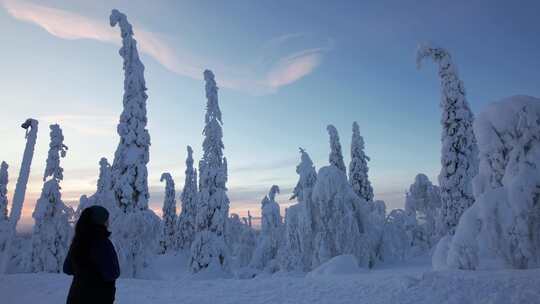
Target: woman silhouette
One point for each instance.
(92, 260)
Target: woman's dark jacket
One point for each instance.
(94, 272)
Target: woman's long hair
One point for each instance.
(89, 227)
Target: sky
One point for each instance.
(286, 69)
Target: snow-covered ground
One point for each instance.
(413, 283)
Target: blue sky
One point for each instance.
(286, 69)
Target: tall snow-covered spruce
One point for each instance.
(168, 232)
(209, 248)
(130, 175)
(358, 167)
(52, 231)
(135, 229)
(336, 155)
(459, 152)
(187, 220)
(31, 127)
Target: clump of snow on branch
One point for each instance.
(189, 197)
(503, 226)
(265, 255)
(168, 232)
(136, 229)
(459, 153)
(52, 231)
(209, 248)
(358, 167)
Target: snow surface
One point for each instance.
(339, 265)
(411, 283)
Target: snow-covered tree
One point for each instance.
(423, 200)
(397, 237)
(104, 195)
(358, 167)
(130, 176)
(3, 193)
(241, 240)
(375, 230)
(264, 257)
(459, 153)
(250, 219)
(291, 253)
(168, 232)
(336, 156)
(188, 216)
(136, 229)
(243, 251)
(271, 217)
(300, 220)
(503, 225)
(4, 220)
(234, 229)
(342, 218)
(52, 231)
(31, 127)
(213, 207)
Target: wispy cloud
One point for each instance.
(84, 124)
(294, 67)
(277, 73)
